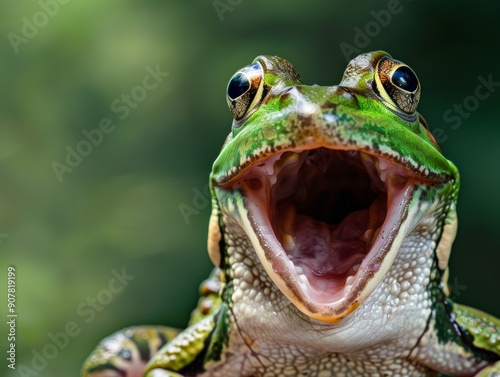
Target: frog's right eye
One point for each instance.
(245, 91)
(397, 85)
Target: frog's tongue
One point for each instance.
(330, 251)
(323, 220)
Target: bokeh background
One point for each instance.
(119, 207)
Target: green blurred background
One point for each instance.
(119, 207)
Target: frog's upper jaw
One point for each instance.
(327, 223)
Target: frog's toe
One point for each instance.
(161, 373)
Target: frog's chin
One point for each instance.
(326, 224)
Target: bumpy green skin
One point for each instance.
(483, 327)
(407, 326)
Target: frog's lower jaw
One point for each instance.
(327, 224)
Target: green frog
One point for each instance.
(333, 216)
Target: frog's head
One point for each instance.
(327, 182)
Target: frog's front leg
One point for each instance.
(460, 341)
(126, 352)
(485, 332)
(193, 349)
(210, 298)
(182, 352)
(490, 371)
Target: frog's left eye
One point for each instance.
(398, 85)
(245, 91)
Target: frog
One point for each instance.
(333, 216)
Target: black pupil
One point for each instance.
(404, 78)
(238, 85)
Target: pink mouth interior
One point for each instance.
(326, 209)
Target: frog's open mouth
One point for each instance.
(323, 221)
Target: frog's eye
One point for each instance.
(125, 354)
(398, 85)
(245, 90)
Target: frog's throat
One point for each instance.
(327, 224)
